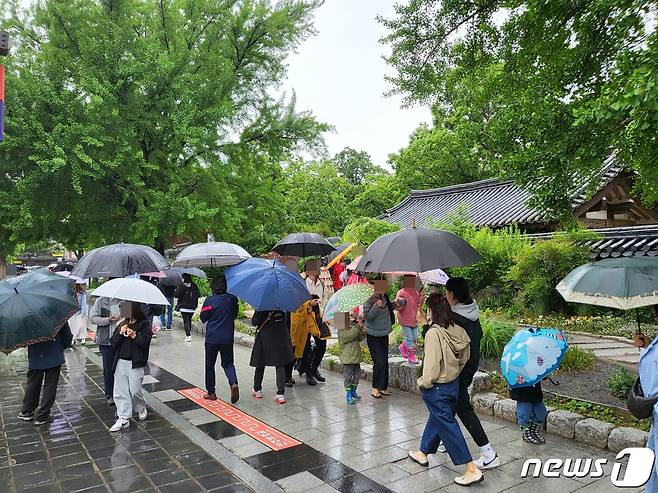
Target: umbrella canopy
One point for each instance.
(434, 276)
(33, 307)
(65, 273)
(211, 254)
(156, 275)
(304, 245)
(131, 289)
(417, 250)
(355, 263)
(340, 253)
(532, 355)
(119, 260)
(624, 283)
(334, 240)
(347, 298)
(193, 271)
(63, 267)
(267, 285)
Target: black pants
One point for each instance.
(280, 379)
(466, 412)
(108, 354)
(187, 322)
(49, 378)
(378, 347)
(313, 355)
(226, 353)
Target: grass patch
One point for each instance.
(596, 411)
(620, 383)
(495, 334)
(578, 359)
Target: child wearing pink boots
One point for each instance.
(409, 300)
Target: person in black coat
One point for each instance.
(272, 347)
(131, 342)
(187, 294)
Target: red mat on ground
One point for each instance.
(256, 429)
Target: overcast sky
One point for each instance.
(339, 75)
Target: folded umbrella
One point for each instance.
(211, 254)
(33, 307)
(131, 289)
(340, 253)
(119, 260)
(304, 245)
(417, 250)
(347, 298)
(532, 355)
(267, 285)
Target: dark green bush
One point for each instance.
(620, 382)
(495, 334)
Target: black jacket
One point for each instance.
(474, 331)
(187, 297)
(272, 346)
(168, 291)
(140, 344)
(532, 394)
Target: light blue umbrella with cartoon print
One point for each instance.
(532, 355)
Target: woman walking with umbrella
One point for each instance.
(187, 294)
(78, 322)
(379, 319)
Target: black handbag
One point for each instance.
(322, 327)
(639, 406)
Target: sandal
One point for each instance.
(376, 394)
(385, 392)
(474, 479)
(412, 456)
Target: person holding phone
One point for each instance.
(131, 341)
(105, 314)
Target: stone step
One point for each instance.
(600, 345)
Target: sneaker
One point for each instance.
(483, 464)
(120, 425)
(235, 393)
(210, 397)
(168, 327)
(143, 414)
(442, 448)
(280, 399)
(110, 401)
(188, 338)
(310, 380)
(257, 394)
(43, 421)
(25, 416)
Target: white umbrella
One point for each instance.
(129, 289)
(211, 254)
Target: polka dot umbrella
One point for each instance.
(347, 298)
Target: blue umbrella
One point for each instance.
(267, 285)
(532, 355)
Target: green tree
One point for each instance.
(542, 91)
(379, 192)
(364, 230)
(355, 166)
(136, 120)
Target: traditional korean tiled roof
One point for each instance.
(491, 202)
(625, 241)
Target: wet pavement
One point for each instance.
(183, 447)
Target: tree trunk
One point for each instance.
(3, 267)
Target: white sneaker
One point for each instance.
(120, 425)
(483, 464)
(188, 338)
(143, 414)
(279, 399)
(257, 394)
(442, 448)
(83, 342)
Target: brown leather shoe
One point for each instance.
(210, 397)
(235, 393)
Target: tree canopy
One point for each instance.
(541, 92)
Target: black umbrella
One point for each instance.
(63, 267)
(417, 250)
(119, 260)
(175, 275)
(304, 245)
(338, 251)
(334, 240)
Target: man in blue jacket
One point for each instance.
(219, 312)
(45, 360)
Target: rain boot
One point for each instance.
(412, 356)
(348, 396)
(403, 349)
(354, 394)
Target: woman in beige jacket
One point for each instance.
(447, 349)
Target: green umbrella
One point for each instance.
(347, 298)
(624, 283)
(33, 307)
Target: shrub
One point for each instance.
(578, 359)
(539, 267)
(495, 334)
(620, 382)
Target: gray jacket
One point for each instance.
(100, 316)
(378, 320)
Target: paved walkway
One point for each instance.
(614, 350)
(182, 447)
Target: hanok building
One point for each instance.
(625, 226)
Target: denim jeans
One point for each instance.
(170, 314)
(226, 353)
(652, 443)
(530, 411)
(410, 335)
(108, 354)
(441, 402)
